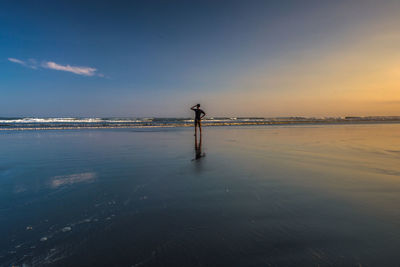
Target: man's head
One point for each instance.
(198, 105)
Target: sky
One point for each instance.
(237, 58)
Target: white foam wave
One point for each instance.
(67, 120)
(70, 120)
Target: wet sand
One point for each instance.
(306, 195)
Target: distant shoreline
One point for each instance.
(39, 126)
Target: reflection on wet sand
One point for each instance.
(197, 148)
(72, 179)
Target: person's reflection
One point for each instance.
(197, 148)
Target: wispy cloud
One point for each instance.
(23, 63)
(79, 70)
(86, 71)
(16, 61)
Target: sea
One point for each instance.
(312, 194)
(29, 123)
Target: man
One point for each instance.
(199, 114)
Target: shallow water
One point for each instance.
(255, 196)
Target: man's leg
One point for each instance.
(199, 126)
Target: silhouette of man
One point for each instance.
(199, 114)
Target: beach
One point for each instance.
(270, 195)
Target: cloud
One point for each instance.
(17, 61)
(86, 71)
(31, 63)
(79, 70)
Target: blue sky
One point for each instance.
(157, 58)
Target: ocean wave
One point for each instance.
(118, 120)
(35, 123)
(65, 120)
